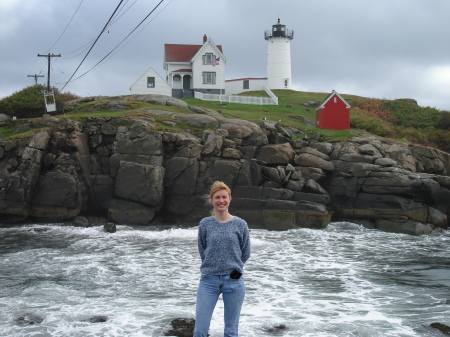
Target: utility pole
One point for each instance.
(49, 56)
(35, 77)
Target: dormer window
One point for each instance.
(208, 57)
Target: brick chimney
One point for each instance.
(205, 38)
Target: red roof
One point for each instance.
(183, 71)
(182, 52)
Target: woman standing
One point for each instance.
(224, 247)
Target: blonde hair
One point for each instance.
(218, 186)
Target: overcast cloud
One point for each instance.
(375, 48)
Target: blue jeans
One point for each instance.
(209, 289)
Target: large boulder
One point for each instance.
(276, 154)
(310, 160)
(181, 175)
(244, 132)
(197, 120)
(131, 213)
(58, 196)
(281, 214)
(140, 183)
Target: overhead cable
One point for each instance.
(66, 27)
(103, 30)
(121, 41)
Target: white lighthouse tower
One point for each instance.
(279, 56)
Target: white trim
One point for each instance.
(202, 48)
(321, 106)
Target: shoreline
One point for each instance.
(95, 221)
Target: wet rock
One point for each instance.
(98, 319)
(110, 227)
(275, 330)
(442, 327)
(29, 319)
(181, 327)
(80, 221)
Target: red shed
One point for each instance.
(333, 113)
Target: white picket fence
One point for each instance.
(272, 100)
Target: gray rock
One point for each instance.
(248, 132)
(313, 173)
(280, 154)
(58, 196)
(370, 150)
(80, 221)
(181, 175)
(387, 162)
(140, 183)
(226, 170)
(130, 213)
(169, 123)
(39, 140)
(295, 185)
(232, 154)
(29, 319)
(213, 144)
(110, 227)
(98, 319)
(309, 160)
(313, 187)
(197, 120)
(103, 189)
(181, 327)
(325, 148)
(314, 152)
(4, 117)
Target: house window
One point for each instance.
(150, 82)
(246, 84)
(208, 57)
(209, 78)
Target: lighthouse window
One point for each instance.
(150, 82)
(208, 57)
(209, 78)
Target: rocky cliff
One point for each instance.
(123, 169)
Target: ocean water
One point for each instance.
(341, 281)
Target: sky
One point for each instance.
(374, 48)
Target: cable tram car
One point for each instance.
(50, 103)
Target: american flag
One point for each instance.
(215, 62)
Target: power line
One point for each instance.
(66, 26)
(115, 20)
(104, 28)
(62, 72)
(86, 46)
(120, 41)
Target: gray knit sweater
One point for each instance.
(223, 246)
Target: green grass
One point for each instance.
(290, 111)
(396, 119)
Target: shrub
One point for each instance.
(408, 114)
(444, 120)
(29, 102)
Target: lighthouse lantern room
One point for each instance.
(279, 56)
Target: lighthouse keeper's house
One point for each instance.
(188, 68)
